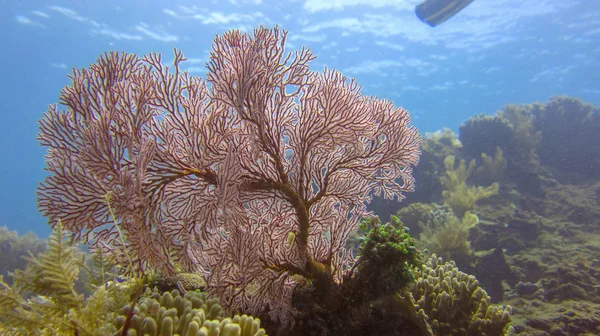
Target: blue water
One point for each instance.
(491, 54)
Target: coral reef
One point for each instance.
(536, 244)
(483, 134)
(525, 137)
(244, 182)
(44, 301)
(242, 177)
(568, 130)
(457, 194)
(364, 303)
(511, 131)
(451, 302)
(13, 248)
(193, 314)
(446, 235)
(535, 247)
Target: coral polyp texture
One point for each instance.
(193, 314)
(254, 175)
(451, 302)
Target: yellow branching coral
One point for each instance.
(457, 194)
(193, 314)
(445, 234)
(450, 302)
(526, 138)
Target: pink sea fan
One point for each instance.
(257, 176)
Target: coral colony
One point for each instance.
(253, 177)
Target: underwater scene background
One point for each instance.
(499, 236)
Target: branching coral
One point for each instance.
(450, 302)
(445, 234)
(387, 256)
(526, 138)
(492, 168)
(193, 314)
(457, 194)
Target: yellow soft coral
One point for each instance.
(457, 194)
(445, 234)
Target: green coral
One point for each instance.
(457, 194)
(445, 234)
(193, 314)
(526, 137)
(434, 148)
(445, 136)
(387, 257)
(447, 301)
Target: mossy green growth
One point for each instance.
(457, 194)
(387, 255)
